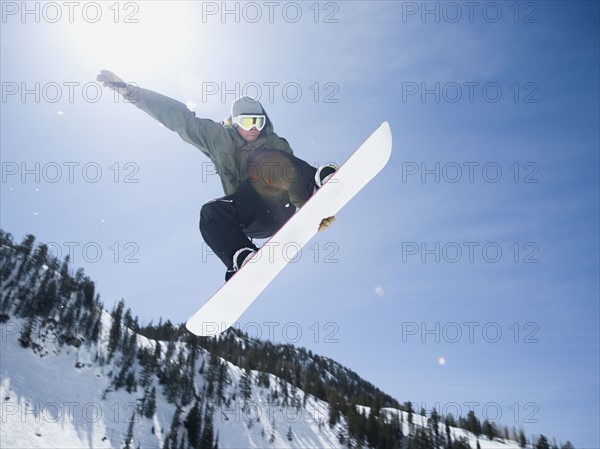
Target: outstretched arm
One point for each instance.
(205, 134)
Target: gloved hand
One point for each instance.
(325, 223)
(112, 81)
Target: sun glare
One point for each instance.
(132, 35)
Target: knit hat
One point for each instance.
(246, 106)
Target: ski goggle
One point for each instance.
(247, 122)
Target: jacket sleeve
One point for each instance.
(205, 134)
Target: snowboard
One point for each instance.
(223, 309)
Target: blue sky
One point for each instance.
(466, 273)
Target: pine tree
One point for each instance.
(119, 380)
(421, 440)
(473, 425)
(461, 443)
(114, 335)
(148, 371)
(212, 375)
(129, 437)
(352, 416)
(171, 441)
(190, 386)
(149, 403)
(130, 382)
(246, 386)
(489, 430)
(171, 377)
(128, 320)
(542, 443)
(66, 284)
(335, 411)
(45, 298)
(25, 337)
(40, 256)
(362, 427)
(157, 353)
(373, 431)
(522, 439)
(88, 289)
(27, 244)
(408, 408)
(207, 437)
(448, 432)
(193, 425)
(263, 379)
(434, 424)
(290, 435)
(25, 248)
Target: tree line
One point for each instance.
(194, 373)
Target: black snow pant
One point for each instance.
(229, 223)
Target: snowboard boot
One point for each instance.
(240, 258)
(324, 173)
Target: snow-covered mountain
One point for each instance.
(76, 376)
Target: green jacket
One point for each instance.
(227, 150)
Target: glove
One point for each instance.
(112, 81)
(325, 223)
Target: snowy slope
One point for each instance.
(75, 376)
(47, 401)
(62, 397)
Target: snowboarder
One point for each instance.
(264, 183)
